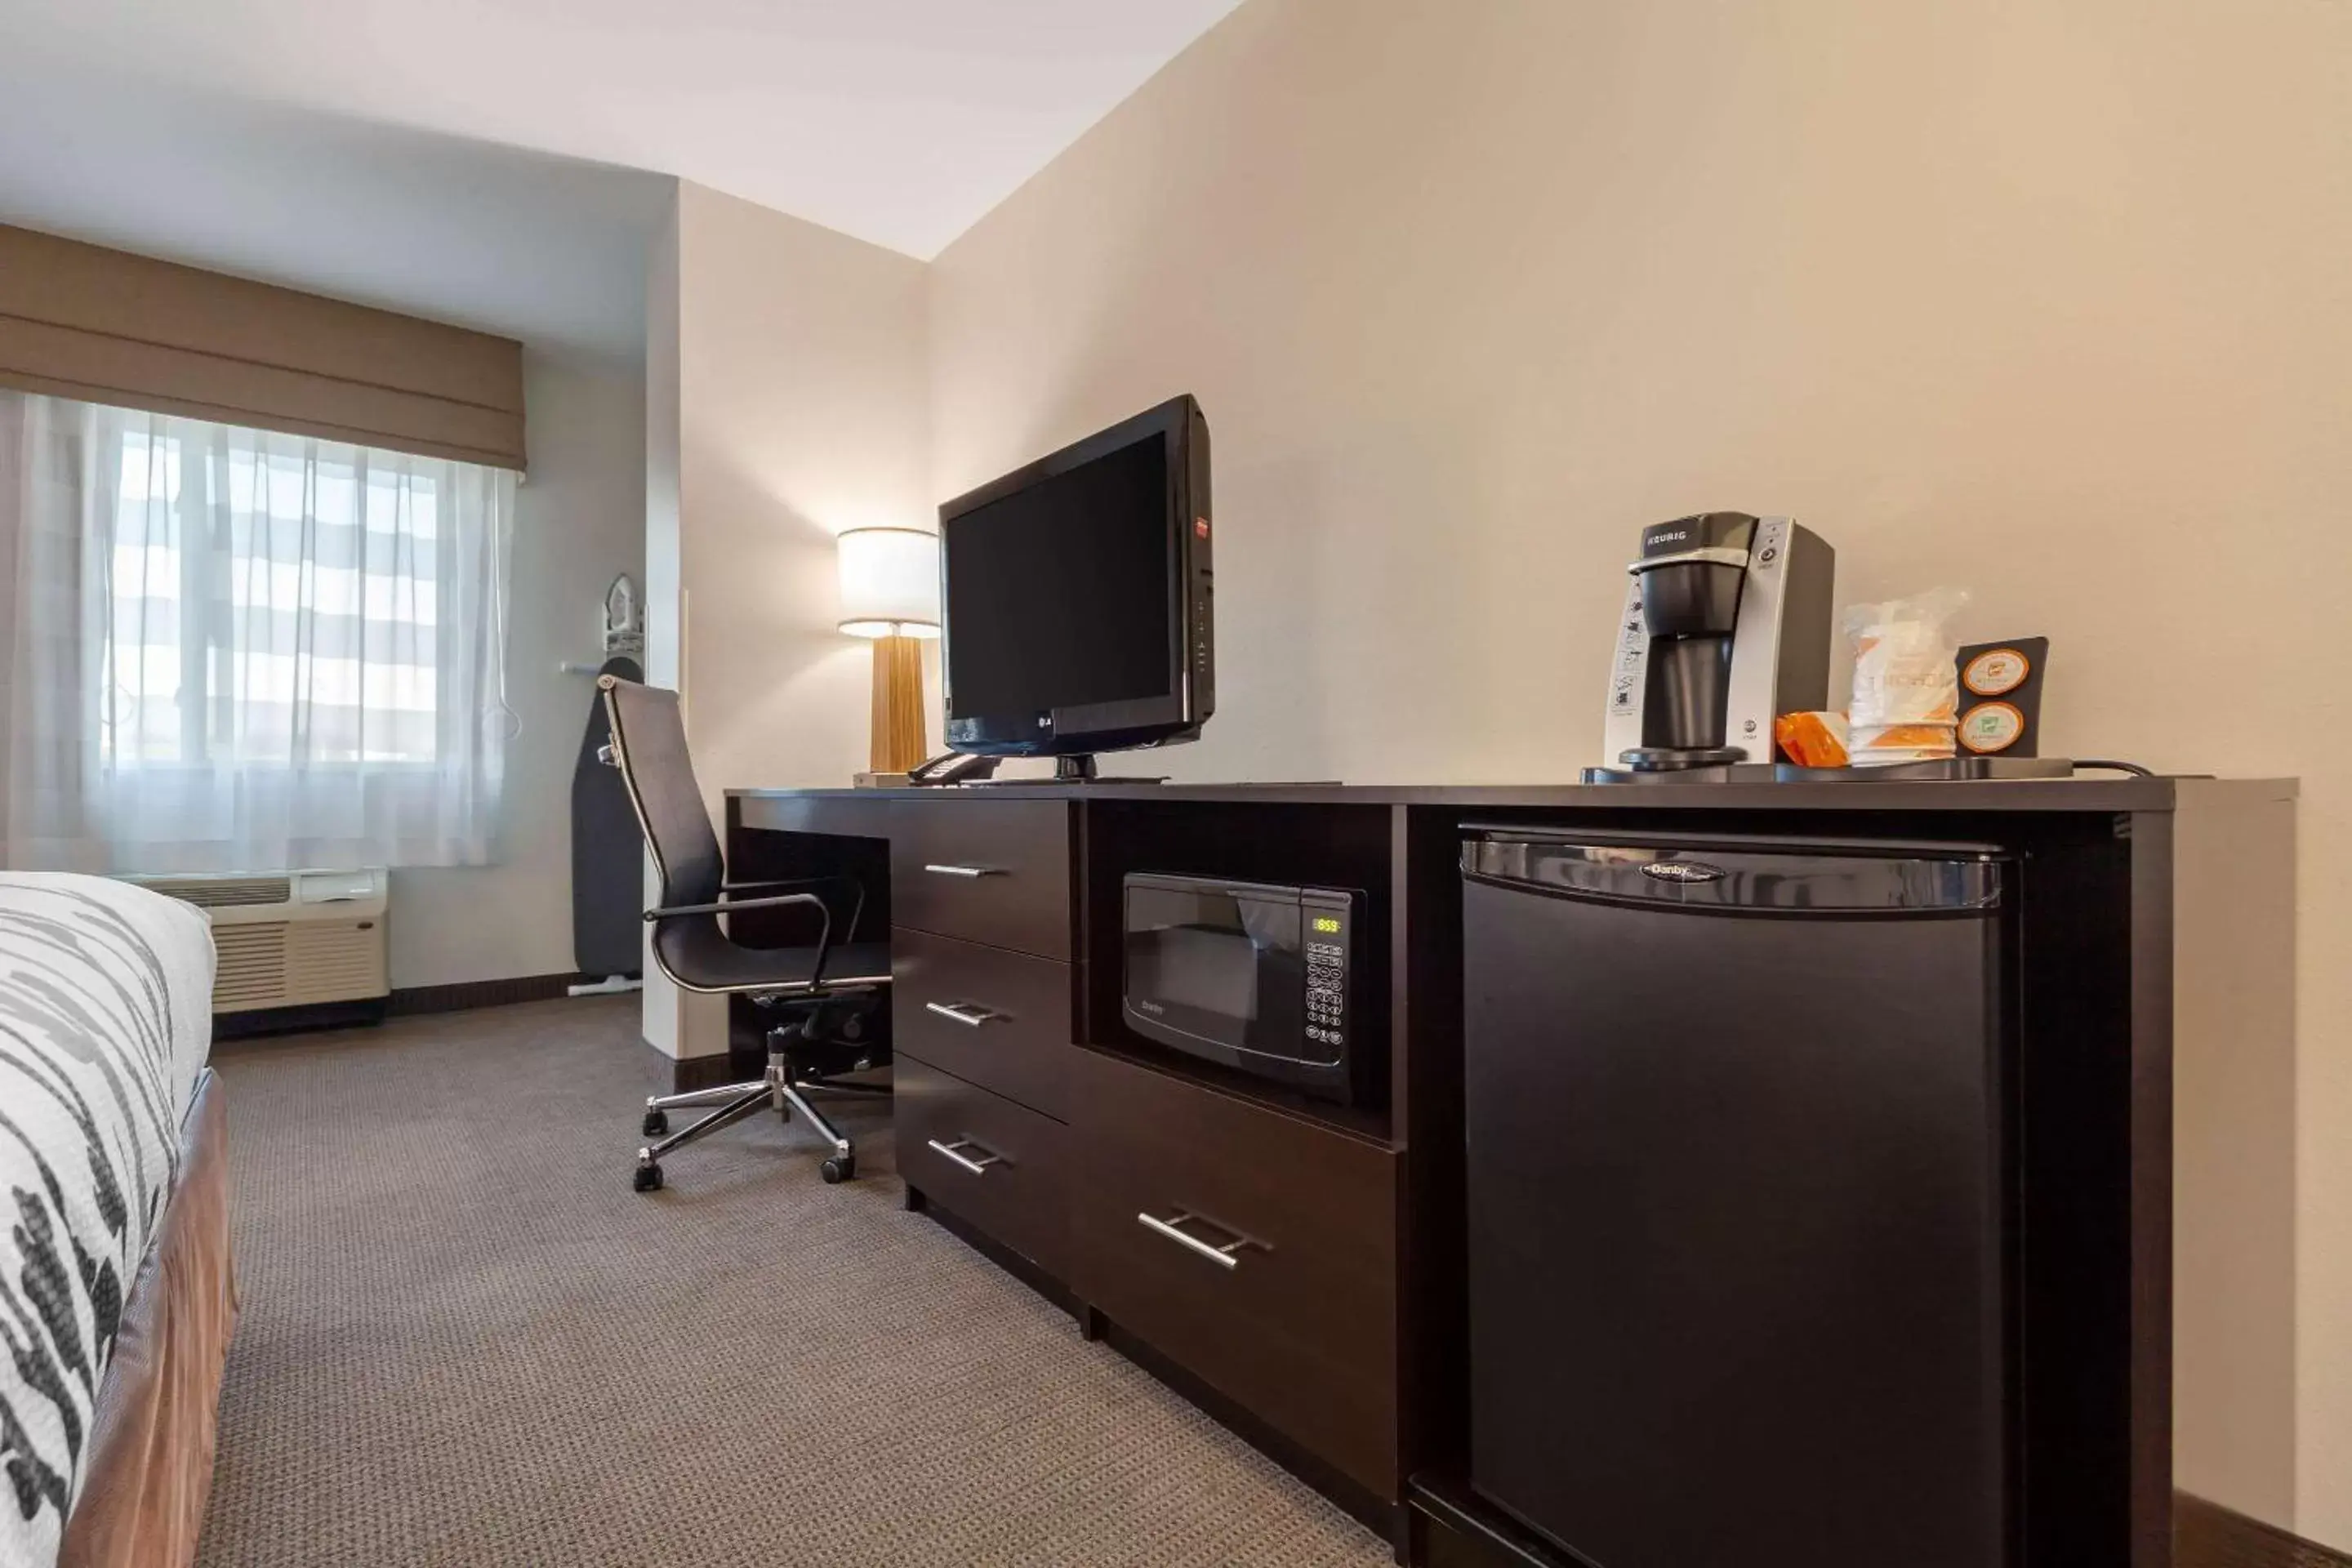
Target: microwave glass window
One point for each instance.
(1200, 968)
(1217, 964)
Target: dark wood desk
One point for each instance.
(1338, 1343)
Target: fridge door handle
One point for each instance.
(1698, 878)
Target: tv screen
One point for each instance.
(1059, 594)
(1076, 594)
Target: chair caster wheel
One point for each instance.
(648, 1178)
(838, 1169)
(655, 1124)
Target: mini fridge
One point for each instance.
(1741, 1197)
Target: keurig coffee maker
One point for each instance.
(1727, 625)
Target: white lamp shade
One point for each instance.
(890, 583)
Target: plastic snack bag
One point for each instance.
(1907, 692)
(1812, 740)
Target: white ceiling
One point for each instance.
(487, 161)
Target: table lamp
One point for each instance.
(890, 594)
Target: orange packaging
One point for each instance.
(1928, 737)
(1812, 740)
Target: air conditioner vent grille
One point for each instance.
(336, 962)
(281, 963)
(226, 892)
(251, 971)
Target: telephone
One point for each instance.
(953, 767)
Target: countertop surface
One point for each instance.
(2088, 791)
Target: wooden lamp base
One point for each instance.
(898, 743)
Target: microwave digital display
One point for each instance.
(1250, 975)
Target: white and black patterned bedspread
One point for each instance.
(105, 1016)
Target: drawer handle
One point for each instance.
(940, 870)
(965, 1012)
(955, 1151)
(1224, 1256)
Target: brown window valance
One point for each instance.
(81, 321)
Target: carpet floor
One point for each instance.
(464, 1341)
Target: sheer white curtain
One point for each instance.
(229, 650)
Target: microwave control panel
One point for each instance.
(1323, 928)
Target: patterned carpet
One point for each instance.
(466, 1341)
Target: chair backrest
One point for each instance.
(649, 744)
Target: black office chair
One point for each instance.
(827, 993)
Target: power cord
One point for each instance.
(2100, 764)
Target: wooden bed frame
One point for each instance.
(151, 1438)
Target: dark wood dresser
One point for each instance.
(1296, 1267)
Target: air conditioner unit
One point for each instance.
(290, 938)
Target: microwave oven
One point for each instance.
(1256, 976)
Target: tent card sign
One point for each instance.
(2001, 697)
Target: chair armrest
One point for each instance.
(774, 900)
(734, 906)
(824, 942)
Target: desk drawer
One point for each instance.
(998, 1019)
(1277, 1285)
(946, 1126)
(996, 871)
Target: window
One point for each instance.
(269, 605)
(256, 650)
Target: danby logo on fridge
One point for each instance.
(1682, 871)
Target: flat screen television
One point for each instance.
(1075, 607)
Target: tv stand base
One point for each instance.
(1080, 769)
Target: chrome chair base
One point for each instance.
(779, 1089)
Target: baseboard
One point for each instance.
(304, 1018)
(409, 999)
(689, 1074)
(2206, 1535)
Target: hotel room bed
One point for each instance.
(117, 1295)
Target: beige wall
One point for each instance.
(2051, 300)
(661, 1007)
(579, 523)
(802, 410)
(2233, 1244)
